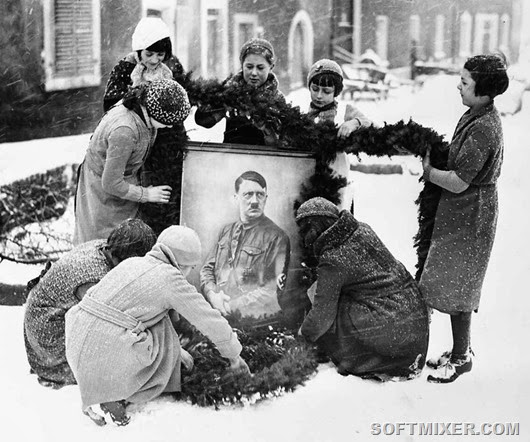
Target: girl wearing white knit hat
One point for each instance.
(151, 59)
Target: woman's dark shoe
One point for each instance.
(50, 384)
(452, 369)
(116, 411)
(435, 363)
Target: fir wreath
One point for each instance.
(278, 360)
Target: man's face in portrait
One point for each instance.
(251, 198)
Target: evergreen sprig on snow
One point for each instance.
(277, 360)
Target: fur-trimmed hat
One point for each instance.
(317, 206)
(258, 46)
(184, 244)
(148, 31)
(167, 102)
(326, 67)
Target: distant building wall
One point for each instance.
(35, 101)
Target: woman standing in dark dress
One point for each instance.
(466, 217)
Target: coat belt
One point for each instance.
(111, 314)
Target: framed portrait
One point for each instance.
(253, 266)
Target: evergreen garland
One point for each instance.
(279, 361)
(164, 166)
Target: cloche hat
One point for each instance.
(183, 242)
(148, 31)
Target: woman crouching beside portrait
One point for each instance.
(368, 314)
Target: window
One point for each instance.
(415, 28)
(504, 44)
(439, 35)
(381, 36)
(72, 44)
(465, 34)
(214, 38)
(486, 33)
(300, 48)
(245, 27)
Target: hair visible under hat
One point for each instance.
(326, 73)
(317, 206)
(167, 102)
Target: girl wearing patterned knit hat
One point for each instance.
(108, 189)
(257, 61)
(466, 217)
(151, 59)
(325, 83)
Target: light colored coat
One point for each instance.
(120, 342)
(108, 190)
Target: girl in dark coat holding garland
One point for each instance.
(466, 217)
(257, 61)
(367, 314)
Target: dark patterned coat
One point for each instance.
(465, 223)
(120, 78)
(368, 313)
(47, 304)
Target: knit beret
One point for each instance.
(183, 242)
(258, 46)
(167, 102)
(148, 31)
(317, 207)
(324, 66)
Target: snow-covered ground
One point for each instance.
(329, 407)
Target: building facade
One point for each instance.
(435, 30)
(57, 54)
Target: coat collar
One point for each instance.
(163, 253)
(270, 85)
(337, 234)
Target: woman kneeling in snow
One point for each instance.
(368, 314)
(120, 341)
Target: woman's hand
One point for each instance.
(238, 366)
(219, 301)
(186, 360)
(158, 194)
(348, 127)
(426, 163)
